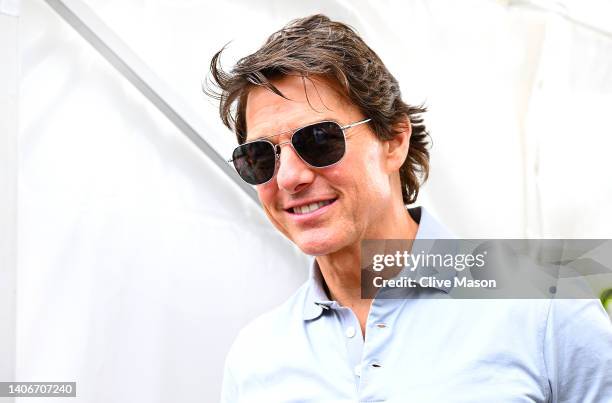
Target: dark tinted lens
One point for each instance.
(255, 162)
(321, 144)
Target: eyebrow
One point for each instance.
(325, 119)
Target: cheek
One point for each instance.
(372, 175)
(267, 196)
(373, 159)
(367, 165)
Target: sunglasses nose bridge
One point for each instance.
(277, 148)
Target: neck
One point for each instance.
(341, 270)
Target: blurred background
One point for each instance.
(130, 258)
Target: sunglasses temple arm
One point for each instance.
(355, 124)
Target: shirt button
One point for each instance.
(358, 370)
(381, 325)
(350, 332)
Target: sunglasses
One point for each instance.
(319, 145)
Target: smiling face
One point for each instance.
(322, 210)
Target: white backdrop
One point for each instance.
(138, 260)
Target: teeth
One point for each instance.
(308, 208)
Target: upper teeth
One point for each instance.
(307, 208)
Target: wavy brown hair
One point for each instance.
(316, 45)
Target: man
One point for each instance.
(336, 156)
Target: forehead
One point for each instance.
(309, 100)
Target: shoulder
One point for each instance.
(582, 323)
(557, 320)
(254, 352)
(268, 332)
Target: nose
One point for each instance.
(293, 174)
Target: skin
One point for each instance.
(365, 183)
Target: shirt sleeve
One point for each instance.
(578, 351)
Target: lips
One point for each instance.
(309, 207)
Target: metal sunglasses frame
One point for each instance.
(276, 147)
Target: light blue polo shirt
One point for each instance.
(310, 349)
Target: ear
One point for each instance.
(397, 148)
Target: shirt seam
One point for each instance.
(548, 388)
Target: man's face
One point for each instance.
(358, 187)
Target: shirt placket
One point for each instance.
(372, 366)
(353, 338)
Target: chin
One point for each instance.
(318, 245)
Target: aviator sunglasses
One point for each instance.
(319, 145)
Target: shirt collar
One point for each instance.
(316, 297)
